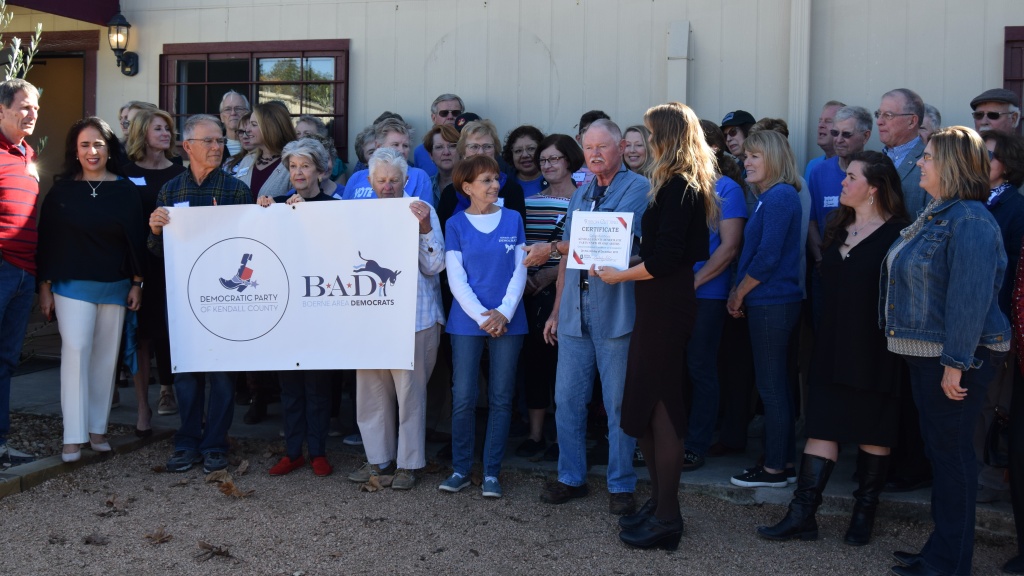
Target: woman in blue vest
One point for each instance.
(484, 256)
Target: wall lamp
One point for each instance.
(117, 34)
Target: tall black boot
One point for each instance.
(799, 521)
(873, 470)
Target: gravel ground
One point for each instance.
(43, 436)
(96, 519)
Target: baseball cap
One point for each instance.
(463, 119)
(738, 118)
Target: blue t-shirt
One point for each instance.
(825, 184)
(421, 158)
(531, 187)
(418, 186)
(812, 165)
(733, 206)
(772, 247)
(489, 261)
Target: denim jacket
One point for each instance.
(945, 284)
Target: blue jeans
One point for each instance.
(191, 401)
(306, 408)
(574, 386)
(702, 361)
(17, 290)
(466, 352)
(770, 330)
(947, 427)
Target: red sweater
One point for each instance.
(19, 190)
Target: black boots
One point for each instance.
(799, 521)
(872, 480)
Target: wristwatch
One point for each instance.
(555, 254)
(137, 283)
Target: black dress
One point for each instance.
(675, 237)
(153, 312)
(855, 380)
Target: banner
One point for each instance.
(315, 285)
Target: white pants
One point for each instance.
(376, 394)
(90, 338)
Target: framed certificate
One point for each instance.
(600, 238)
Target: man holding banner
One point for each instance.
(203, 184)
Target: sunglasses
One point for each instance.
(989, 115)
(837, 133)
(447, 113)
(731, 132)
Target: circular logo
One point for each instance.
(238, 289)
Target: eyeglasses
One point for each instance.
(990, 115)
(732, 132)
(889, 115)
(529, 150)
(844, 134)
(480, 148)
(208, 142)
(447, 113)
(235, 109)
(125, 123)
(551, 160)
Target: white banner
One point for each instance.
(316, 285)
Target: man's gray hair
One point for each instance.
(307, 148)
(1013, 109)
(384, 127)
(860, 114)
(608, 125)
(10, 88)
(933, 114)
(912, 102)
(446, 98)
(193, 121)
(233, 93)
(388, 157)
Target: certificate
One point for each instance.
(600, 238)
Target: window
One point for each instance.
(310, 77)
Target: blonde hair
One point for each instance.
(779, 164)
(645, 135)
(485, 127)
(136, 145)
(961, 160)
(679, 149)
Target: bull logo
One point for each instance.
(384, 275)
(242, 279)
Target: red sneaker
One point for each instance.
(321, 467)
(286, 465)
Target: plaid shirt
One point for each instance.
(218, 189)
(428, 288)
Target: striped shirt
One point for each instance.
(19, 191)
(543, 214)
(898, 153)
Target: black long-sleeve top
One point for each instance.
(101, 238)
(675, 230)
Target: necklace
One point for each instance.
(94, 188)
(267, 159)
(857, 231)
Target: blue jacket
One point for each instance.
(914, 197)
(945, 283)
(772, 245)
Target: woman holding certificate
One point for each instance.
(682, 207)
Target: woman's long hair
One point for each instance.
(72, 167)
(726, 163)
(880, 173)
(679, 149)
(960, 159)
(274, 124)
(136, 145)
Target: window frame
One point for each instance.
(254, 51)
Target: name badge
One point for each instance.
(140, 181)
(183, 204)
(241, 172)
(831, 202)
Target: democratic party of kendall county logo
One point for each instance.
(238, 289)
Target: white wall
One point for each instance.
(546, 61)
